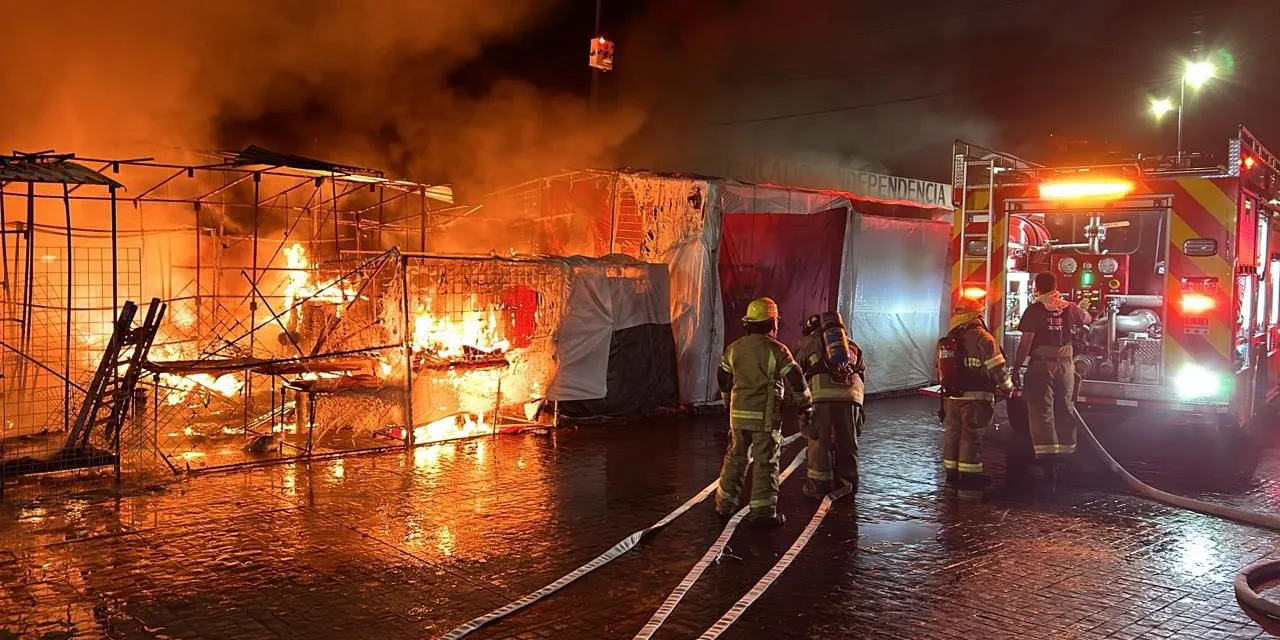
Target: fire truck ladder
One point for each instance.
(109, 395)
(976, 168)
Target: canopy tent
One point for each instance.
(886, 275)
(614, 344)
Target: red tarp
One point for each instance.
(792, 258)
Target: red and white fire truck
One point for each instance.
(1179, 266)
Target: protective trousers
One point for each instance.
(833, 434)
(966, 423)
(764, 447)
(1050, 407)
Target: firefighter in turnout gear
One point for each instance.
(837, 401)
(1047, 328)
(755, 375)
(973, 373)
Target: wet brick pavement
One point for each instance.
(407, 545)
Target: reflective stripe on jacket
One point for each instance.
(758, 365)
(985, 368)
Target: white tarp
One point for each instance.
(604, 297)
(681, 221)
(895, 270)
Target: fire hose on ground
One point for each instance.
(1249, 577)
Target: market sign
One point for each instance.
(819, 172)
(895, 190)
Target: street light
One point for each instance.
(1160, 107)
(1198, 73)
(1195, 74)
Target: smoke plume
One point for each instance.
(355, 81)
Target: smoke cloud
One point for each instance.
(355, 81)
(837, 86)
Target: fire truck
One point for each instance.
(1178, 265)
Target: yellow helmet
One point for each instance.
(761, 309)
(966, 310)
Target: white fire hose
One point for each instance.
(1248, 577)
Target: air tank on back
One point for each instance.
(836, 341)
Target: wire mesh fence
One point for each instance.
(483, 336)
(58, 319)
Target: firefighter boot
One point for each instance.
(816, 489)
(766, 521)
(973, 480)
(851, 476)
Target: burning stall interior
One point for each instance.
(295, 313)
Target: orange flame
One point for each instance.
(448, 338)
(297, 284)
(463, 425)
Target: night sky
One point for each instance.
(891, 83)
(485, 94)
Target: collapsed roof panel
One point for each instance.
(255, 158)
(50, 169)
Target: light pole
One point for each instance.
(595, 73)
(1195, 74)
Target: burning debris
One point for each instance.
(291, 339)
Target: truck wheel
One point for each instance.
(1235, 448)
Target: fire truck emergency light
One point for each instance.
(1197, 303)
(1093, 190)
(973, 293)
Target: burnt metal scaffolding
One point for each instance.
(236, 244)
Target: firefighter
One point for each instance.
(837, 417)
(1047, 327)
(973, 371)
(752, 375)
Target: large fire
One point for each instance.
(178, 389)
(465, 366)
(465, 335)
(297, 285)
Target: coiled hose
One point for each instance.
(1248, 577)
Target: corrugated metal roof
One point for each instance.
(51, 170)
(254, 155)
(256, 158)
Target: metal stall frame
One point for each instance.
(172, 184)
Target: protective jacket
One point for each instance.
(755, 373)
(984, 371)
(821, 385)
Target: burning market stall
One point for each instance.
(233, 247)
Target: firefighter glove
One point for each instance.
(806, 417)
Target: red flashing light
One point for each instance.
(1197, 303)
(601, 40)
(973, 293)
(1248, 162)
